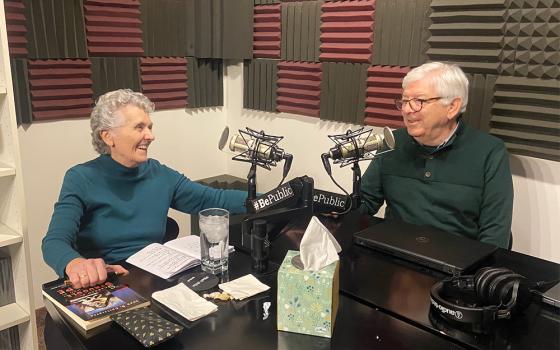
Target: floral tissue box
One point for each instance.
(307, 300)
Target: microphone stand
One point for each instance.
(251, 187)
(356, 184)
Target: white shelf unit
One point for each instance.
(13, 228)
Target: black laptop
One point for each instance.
(425, 245)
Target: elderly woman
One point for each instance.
(112, 206)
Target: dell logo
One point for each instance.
(422, 239)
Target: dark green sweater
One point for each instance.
(464, 187)
(109, 211)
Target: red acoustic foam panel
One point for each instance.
(347, 31)
(299, 88)
(15, 26)
(60, 88)
(384, 84)
(266, 31)
(164, 81)
(113, 27)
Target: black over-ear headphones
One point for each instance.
(488, 295)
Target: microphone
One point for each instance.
(356, 148)
(260, 149)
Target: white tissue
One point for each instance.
(185, 302)
(244, 287)
(318, 247)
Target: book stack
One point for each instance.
(89, 308)
(9, 338)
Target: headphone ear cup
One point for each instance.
(484, 281)
(500, 289)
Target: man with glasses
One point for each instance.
(443, 172)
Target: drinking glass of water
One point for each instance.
(214, 239)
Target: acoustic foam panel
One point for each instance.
(16, 27)
(164, 81)
(60, 88)
(55, 29)
(20, 84)
(205, 80)
(224, 28)
(113, 27)
(525, 115)
(301, 22)
(167, 28)
(384, 84)
(347, 31)
(401, 32)
(112, 73)
(342, 91)
(259, 84)
(299, 88)
(479, 106)
(468, 33)
(266, 31)
(531, 45)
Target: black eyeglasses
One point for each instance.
(415, 104)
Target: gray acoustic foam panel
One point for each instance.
(525, 114)
(223, 28)
(401, 32)
(205, 81)
(532, 39)
(55, 29)
(301, 22)
(112, 73)
(347, 31)
(259, 84)
(479, 106)
(467, 32)
(167, 28)
(343, 90)
(20, 83)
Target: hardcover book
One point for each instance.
(91, 307)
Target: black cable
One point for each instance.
(348, 197)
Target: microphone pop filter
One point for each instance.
(223, 139)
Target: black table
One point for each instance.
(402, 289)
(384, 303)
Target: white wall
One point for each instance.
(187, 141)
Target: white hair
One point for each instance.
(448, 80)
(103, 115)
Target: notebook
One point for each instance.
(425, 245)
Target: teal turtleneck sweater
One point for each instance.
(109, 211)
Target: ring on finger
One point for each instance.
(83, 275)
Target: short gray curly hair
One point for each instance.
(103, 115)
(448, 80)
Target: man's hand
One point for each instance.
(89, 272)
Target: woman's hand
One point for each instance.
(89, 272)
